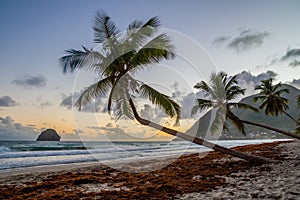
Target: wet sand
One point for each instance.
(211, 176)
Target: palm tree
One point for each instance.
(272, 101)
(121, 56)
(221, 92)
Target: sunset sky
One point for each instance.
(256, 39)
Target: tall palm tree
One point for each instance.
(221, 92)
(272, 101)
(121, 56)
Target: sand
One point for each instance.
(280, 181)
(214, 176)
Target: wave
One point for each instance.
(99, 150)
(4, 149)
(46, 148)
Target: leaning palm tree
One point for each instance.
(222, 91)
(272, 101)
(121, 56)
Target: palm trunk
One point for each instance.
(292, 118)
(199, 141)
(273, 129)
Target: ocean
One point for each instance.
(21, 154)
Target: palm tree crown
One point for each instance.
(220, 93)
(120, 57)
(271, 97)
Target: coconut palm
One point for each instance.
(221, 92)
(272, 101)
(120, 57)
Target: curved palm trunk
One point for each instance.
(196, 140)
(292, 118)
(271, 128)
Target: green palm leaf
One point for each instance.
(201, 105)
(100, 88)
(154, 51)
(270, 97)
(77, 59)
(170, 107)
(242, 106)
(104, 28)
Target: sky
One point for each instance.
(256, 39)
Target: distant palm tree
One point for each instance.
(272, 101)
(221, 92)
(117, 62)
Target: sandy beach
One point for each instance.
(213, 176)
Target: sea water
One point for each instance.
(20, 154)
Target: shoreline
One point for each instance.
(61, 167)
(189, 175)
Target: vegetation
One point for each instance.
(117, 62)
(271, 97)
(221, 92)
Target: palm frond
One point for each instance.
(233, 92)
(244, 106)
(169, 106)
(235, 120)
(259, 97)
(217, 124)
(201, 105)
(203, 86)
(104, 28)
(122, 107)
(154, 51)
(77, 59)
(232, 81)
(281, 91)
(100, 88)
(138, 32)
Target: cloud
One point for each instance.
(7, 101)
(294, 63)
(219, 41)
(42, 103)
(290, 54)
(249, 81)
(247, 39)
(99, 105)
(295, 82)
(11, 130)
(29, 81)
(45, 104)
(147, 112)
